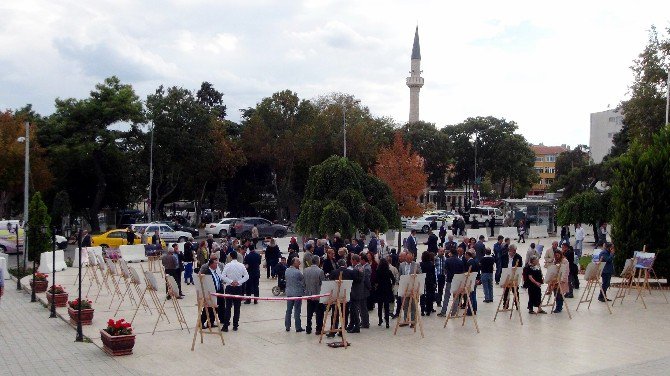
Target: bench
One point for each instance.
(133, 253)
(46, 260)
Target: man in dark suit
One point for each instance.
(253, 263)
(431, 242)
(472, 265)
(213, 270)
(411, 242)
(480, 248)
(510, 259)
(452, 266)
(347, 274)
(86, 240)
(357, 296)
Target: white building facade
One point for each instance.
(604, 125)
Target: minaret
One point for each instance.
(415, 81)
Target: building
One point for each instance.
(545, 166)
(604, 125)
(415, 81)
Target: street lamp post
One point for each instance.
(26, 176)
(53, 277)
(151, 168)
(80, 334)
(18, 260)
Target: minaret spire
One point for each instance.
(415, 81)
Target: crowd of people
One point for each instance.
(374, 269)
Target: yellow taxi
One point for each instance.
(115, 238)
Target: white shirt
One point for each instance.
(234, 272)
(579, 234)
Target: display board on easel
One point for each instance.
(644, 264)
(627, 281)
(593, 285)
(461, 287)
(509, 280)
(554, 288)
(410, 287)
(336, 306)
(207, 303)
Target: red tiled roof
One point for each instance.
(544, 150)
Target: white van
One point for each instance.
(8, 236)
(483, 214)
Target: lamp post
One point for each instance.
(26, 175)
(53, 277)
(80, 334)
(18, 260)
(151, 168)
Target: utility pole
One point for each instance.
(151, 169)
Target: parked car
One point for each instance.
(423, 223)
(115, 238)
(61, 242)
(243, 228)
(8, 236)
(220, 228)
(483, 214)
(179, 227)
(166, 232)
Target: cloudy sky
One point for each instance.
(544, 65)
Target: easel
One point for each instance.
(205, 302)
(152, 288)
(593, 284)
(173, 293)
(643, 278)
(510, 285)
(627, 280)
(113, 273)
(91, 272)
(553, 283)
(337, 302)
(129, 281)
(462, 292)
(100, 262)
(411, 293)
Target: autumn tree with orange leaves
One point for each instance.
(402, 169)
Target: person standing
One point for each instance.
(398, 298)
(212, 269)
(180, 266)
(606, 256)
(357, 296)
(130, 235)
(385, 283)
(188, 261)
(486, 264)
(428, 297)
(252, 261)
(407, 268)
(272, 255)
(431, 242)
(497, 255)
(533, 284)
(573, 280)
(453, 266)
(156, 240)
(480, 248)
(549, 254)
(367, 289)
(86, 240)
(171, 266)
(2, 283)
(522, 231)
(442, 233)
(510, 259)
(411, 242)
(347, 274)
(531, 252)
(314, 277)
(562, 286)
(254, 236)
(472, 264)
(579, 240)
(234, 276)
(492, 224)
(440, 275)
(295, 287)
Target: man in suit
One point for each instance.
(411, 242)
(86, 240)
(212, 268)
(497, 255)
(431, 242)
(472, 265)
(314, 276)
(440, 260)
(234, 276)
(606, 256)
(171, 265)
(365, 309)
(252, 261)
(407, 268)
(295, 287)
(357, 296)
(347, 274)
(480, 248)
(450, 245)
(510, 260)
(452, 266)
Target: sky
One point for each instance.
(544, 65)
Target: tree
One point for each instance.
(586, 207)
(402, 170)
(12, 154)
(61, 208)
(38, 219)
(340, 196)
(644, 111)
(87, 152)
(640, 199)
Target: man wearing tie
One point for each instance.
(234, 275)
(253, 263)
(411, 242)
(213, 271)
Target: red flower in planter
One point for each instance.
(119, 327)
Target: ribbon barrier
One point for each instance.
(271, 299)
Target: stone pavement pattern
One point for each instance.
(31, 343)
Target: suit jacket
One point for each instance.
(295, 282)
(253, 260)
(480, 250)
(504, 260)
(352, 275)
(313, 278)
(453, 265)
(208, 271)
(367, 280)
(411, 244)
(606, 257)
(432, 243)
(205, 268)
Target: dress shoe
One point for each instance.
(330, 335)
(288, 329)
(432, 310)
(365, 326)
(355, 330)
(411, 326)
(557, 311)
(234, 328)
(248, 302)
(255, 301)
(299, 330)
(180, 297)
(387, 325)
(439, 304)
(569, 296)
(441, 314)
(224, 329)
(601, 299)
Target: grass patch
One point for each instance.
(20, 272)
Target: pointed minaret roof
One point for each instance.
(416, 49)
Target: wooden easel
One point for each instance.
(552, 285)
(338, 304)
(152, 289)
(511, 285)
(129, 282)
(112, 271)
(627, 280)
(462, 293)
(593, 285)
(91, 272)
(102, 267)
(204, 303)
(173, 293)
(643, 278)
(413, 296)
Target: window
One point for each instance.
(539, 159)
(549, 170)
(117, 234)
(550, 181)
(165, 229)
(550, 158)
(539, 170)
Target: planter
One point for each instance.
(86, 315)
(117, 345)
(39, 286)
(59, 299)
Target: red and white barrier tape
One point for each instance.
(272, 299)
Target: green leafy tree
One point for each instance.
(61, 208)
(640, 199)
(38, 219)
(341, 196)
(586, 207)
